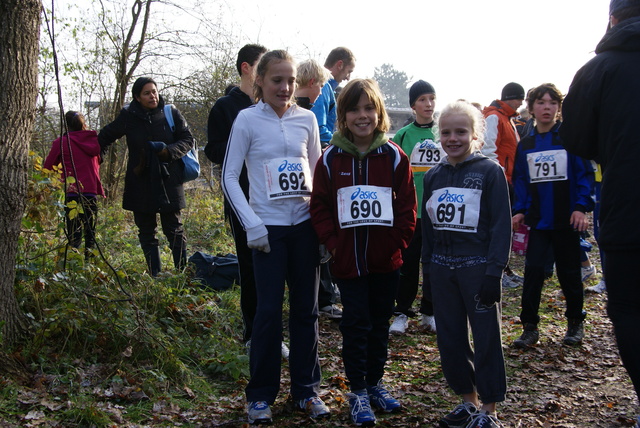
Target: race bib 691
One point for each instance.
(454, 208)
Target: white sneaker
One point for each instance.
(428, 322)
(599, 288)
(399, 325)
(284, 349)
(587, 272)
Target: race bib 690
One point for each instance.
(287, 178)
(365, 206)
(454, 208)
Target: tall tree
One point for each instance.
(393, 84)
(19, 33)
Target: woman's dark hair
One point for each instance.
(75, 121)
(139, 84)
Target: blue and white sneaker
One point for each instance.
(484, 420)
(315, 408)
(259, 413)
(381, 399)
(361, 413)
(459, 417)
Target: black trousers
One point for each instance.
(410, 277)
(566, 248)
(623, 307)
(83, 221)
(367, 308)
(171, 227)
(248, 294)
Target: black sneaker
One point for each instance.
(460, 416)
(575, 332)
(528, 338)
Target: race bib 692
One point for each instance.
(287, 178)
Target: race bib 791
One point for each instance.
(550, 165)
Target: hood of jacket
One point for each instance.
(86, 141)
(499, 107)
(623, 37)
(473, 157)
(342, 142)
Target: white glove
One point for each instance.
(260, 244)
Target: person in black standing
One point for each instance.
(155, 171)
(221, 118)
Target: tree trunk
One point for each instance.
(19, 34)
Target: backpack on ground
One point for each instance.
(215, 272)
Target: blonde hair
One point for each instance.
(263, 67)
(349, 98)
(478, 125)
(311, 69)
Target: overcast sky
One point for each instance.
(466, 48)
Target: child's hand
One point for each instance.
(579, 221)
(516, 221)
(490, 291)
(260, 244)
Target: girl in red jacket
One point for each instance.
(363, 208)
(79, 152)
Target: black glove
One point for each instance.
(426, 283)
(491, 290)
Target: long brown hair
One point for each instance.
(263, 67)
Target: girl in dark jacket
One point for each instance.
(153, 182)
(363, 208)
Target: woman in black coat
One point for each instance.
(153, 182)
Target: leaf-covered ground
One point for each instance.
(550, 385)
(114, 382)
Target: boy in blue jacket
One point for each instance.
(552, 195)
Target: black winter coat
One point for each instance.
(600, 114)
(149, 190)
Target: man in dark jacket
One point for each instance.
(600, 115)
(221, 119)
